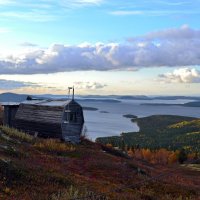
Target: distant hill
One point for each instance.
(98, 100)
(136, 97)
(6, 97)
(177, 97)
(142, 97)
(161, 131)
(192, 104)
(12, 97)
(189, 104)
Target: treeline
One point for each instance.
(160, 156)
(161, 131)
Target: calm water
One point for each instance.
(113, 123)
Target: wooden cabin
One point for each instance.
(9, 112)
(47, 118)
(1, 114)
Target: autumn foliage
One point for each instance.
(160, 156)
(160, 131)
(39, 169)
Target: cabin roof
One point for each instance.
(10, 104)
(46, 102)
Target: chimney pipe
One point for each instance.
(73, 93)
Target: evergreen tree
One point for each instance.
(123, 145)
(182, 157)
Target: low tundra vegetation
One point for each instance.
(48, 169)
(53, 145)
(16, 134)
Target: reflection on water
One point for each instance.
(100, 124)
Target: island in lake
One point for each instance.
(130, 116)
(90, 108)
(102, 111)
(189, 104)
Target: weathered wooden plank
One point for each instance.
(44, 129)
(49, 121)
(36, 115)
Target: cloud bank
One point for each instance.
(79, 3)
(172, 48)
(182, 33)
(11, 85)
(152, 13)
(42, 10)
(89, 85)
(182, 75)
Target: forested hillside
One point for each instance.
(161, 131)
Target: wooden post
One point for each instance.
(73, 93)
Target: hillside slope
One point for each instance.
(161, 131)
(39, 169)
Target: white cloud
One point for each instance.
(41, 10)
(153, 12)
(28, 44)
(184, 32)
(4, 30)
(127, 12)
(48, 4)
(33, 15)
(172, 48)
(81, 2)
(181, 75)
(89, 85)
(121, 8)
(11, 85)
(170, 3)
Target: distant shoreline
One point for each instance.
(90, 108)
(130, 116)
(189, 104)
(5, 97)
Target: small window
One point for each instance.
(71, 117)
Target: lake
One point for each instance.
(113, 123)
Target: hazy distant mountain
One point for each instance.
(7, 97)
(99, 100)
(177, 97)
(137, 97)
(192, 104)
(12, 97)
(189, 104)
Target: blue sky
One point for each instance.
(100, 46)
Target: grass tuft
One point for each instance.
(54, 146)
(17, 134)
(74, 193)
